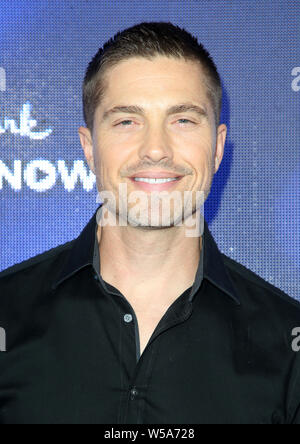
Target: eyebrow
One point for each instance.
(175, 109)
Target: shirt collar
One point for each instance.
(85, 252)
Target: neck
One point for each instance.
(144, 261)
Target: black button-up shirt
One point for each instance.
(221, 354)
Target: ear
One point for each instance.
(87, 146)
(220, 144)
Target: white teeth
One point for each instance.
(144, 179)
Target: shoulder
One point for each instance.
(34, 263)
(23, 282)
(257, 294)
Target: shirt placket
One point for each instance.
(138, 388)
(135, 370)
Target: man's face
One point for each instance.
(185, 143)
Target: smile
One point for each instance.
(154, 180)
(155, 184)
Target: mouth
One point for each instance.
(155, 183)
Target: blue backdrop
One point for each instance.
(47, 193)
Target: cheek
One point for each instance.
(108, 163)
(199, 152)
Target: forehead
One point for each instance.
(160, 74)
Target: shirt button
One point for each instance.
(133, 393)
(128, 318)
(96, 277)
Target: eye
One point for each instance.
(186, 120)
(123, 123)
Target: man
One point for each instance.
(137, 322)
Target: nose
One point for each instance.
(155, 145)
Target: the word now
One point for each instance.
(43, 175)
(26, 125)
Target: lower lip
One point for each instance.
(145, 186)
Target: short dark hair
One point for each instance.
(148, 40)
